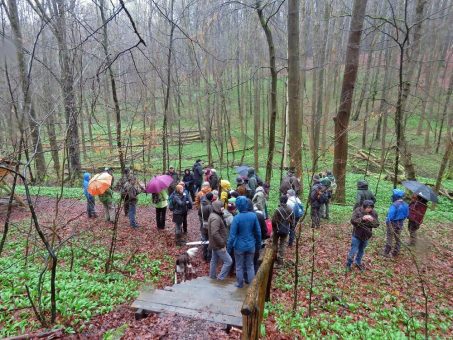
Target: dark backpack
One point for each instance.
(284, 227)
(171, 202)
(155, 198)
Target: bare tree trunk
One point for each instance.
(385, 85)
(28, 109)
(256, 123)
(445, 159)
(445, 110)
(273, 93)
(347, 91)
(294, 114)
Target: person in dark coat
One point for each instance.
(189, 182)
(218, 237)
(172, 173)
(282, 222)
(318, 196)
(417, 210)
(91, 203)
(132, 189)
(214, 180)
(204, 211)
(179, 213)
(363, 194)
(120, 186)
(197, 170)
(397, 213)
(290, 182)
(241, 186)
(363, 220)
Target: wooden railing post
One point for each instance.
(257, 294)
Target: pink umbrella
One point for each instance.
(158, 183)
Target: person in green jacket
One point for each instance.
(107, 201)
(160, 202)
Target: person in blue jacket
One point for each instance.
(90, 198)
(397, 213)
(245, 236)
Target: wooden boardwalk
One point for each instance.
(201, 298)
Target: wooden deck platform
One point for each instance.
(201, 298)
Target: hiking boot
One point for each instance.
(360, 267)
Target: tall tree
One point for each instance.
(28, 109)
(294, 119)
(347, 91)
(273, 91)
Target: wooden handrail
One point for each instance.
(257, 294)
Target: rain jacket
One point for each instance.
(290, 182)
(225, 186)
(107, 196)
(245, 232)
(363, 229)
(203, 191)
(214, 180)
(217, 229)
(259, 200)
(197, 173)
(399, 210)
(86, 180)
(363, 194)
(163, 199)
(417, 210)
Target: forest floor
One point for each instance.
(385, 300)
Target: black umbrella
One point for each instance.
(421, 190)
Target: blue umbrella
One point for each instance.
(421, 190)
(242, 170)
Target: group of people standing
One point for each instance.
(236, 221)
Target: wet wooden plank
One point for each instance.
(232, 320)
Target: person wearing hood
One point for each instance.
(259, 200)
(197, 170)
(214, 179)
(363, 194)
(218, 236)
(204, 212)
(397, 213)
(254, 180)
(318, 197)
(282, 223)
(91, 203)
(245, 235)
(189, 183)
(295, 204)
(205, 188)
(225, 187)
(363, 220)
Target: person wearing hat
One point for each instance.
(363, 193)
(205, 188)
(417, 210)
(363, 220)
(282, 223)
(241, 186)
(290, 182)
(397, 213)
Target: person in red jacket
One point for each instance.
(417, 210)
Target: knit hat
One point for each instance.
(397, 194)
(231, 207)
(239, 180)
(283, 199)
(368, 203)
(205, 184)
(291, 193)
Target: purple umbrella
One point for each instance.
(158, 183)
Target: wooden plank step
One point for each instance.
(200, 301)
(229, 291)
(232, 320)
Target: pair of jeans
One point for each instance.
(357, 250)
(324, 210)
(393, 233)
(244, 263)
(223, 255)
(132, 209)
(90, 207)
(160, 217)
(126, 207)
